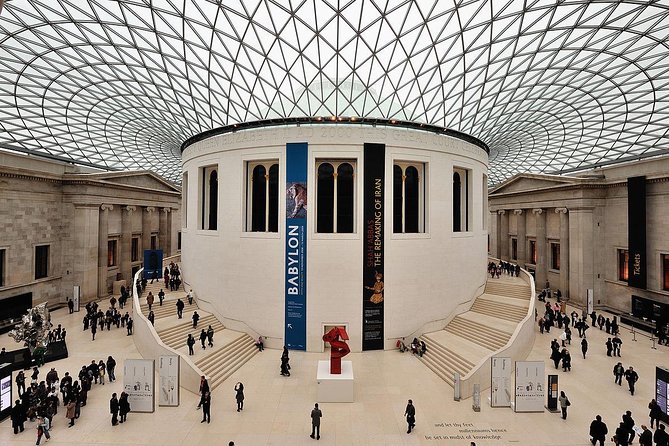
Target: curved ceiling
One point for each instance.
(550, 86)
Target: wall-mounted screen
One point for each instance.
(662, 391)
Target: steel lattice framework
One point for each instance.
(550, 86)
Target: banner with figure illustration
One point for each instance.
(530, 383)
(296, 247)
(372, 264)
(139, 383)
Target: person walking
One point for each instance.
(113, 409)
(204, 388)
(111, 366)
(628, 423)
(94, 329)
(598, 431)
(42, 429)
(584, 347)
(617, 342)
(564, 403)
(180, 308)
(190, 297)
(210, 336)
(609, 347)
(149, 299)
(632, 377)
(410, 414)
(654, 414)
(128, 326)
(151, 317)
(206, 407)
(661, 438)
(618, 372)
(316, 416)
(239, 388)
(190, 342)
(161, 297)
(203, 338)
(196, 317)
(123, 407)
(646, 437)
(622, 434)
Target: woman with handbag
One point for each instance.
(564, 403)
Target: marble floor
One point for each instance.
(276, 409)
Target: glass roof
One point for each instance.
(550, 86)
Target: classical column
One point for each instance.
(497, 247)
(164, 231)
(126, 242)
(146, 227)
(522, 236)
(541, 272)
(564, 251)
(504, 247)
(103, 237)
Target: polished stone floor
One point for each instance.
(276, 409)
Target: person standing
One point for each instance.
(113, 409)
(203, 338)
(617, 342)
(622, 435)
(94, 329)
(316, 416)
(609, 347)
(564, 403)
(190, 342)
(618, 372)
(598, 431)
(123, 407)
(206, 407)
(410, 414)
(628, 423)
(204, 388)
(646, 437)
(151, 317)
(71, 411)
(128, 326)
(196, 317)
(239, 388)
(161, 297)
(584, 347)
(70, 305)
(632, 377)
(149, 299)
(190, 297)
(101, 371)
(661, 438)
(18, 417)
(180, 308)
(21, 383)
(210, 336)
(654, 414)
(42, 429)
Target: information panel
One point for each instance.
(530, 391)
(636, 231)
(373, 247)
(662, 391)
(168, 371)
(500, 382)
(296, 246)
(139, 384)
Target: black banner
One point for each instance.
(636, 231)
(372, 269)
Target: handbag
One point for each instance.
(568, 402)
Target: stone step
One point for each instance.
(502, 311)
(178, 341)
(220, 371)
(220, 354)
(481, 334)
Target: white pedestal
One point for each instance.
(335, 388)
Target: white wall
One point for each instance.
(426, 275)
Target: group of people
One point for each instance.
(626, 431)
(40, 402)
(172, 275)
(95, 317)
(496, 269)
(57, 334)
(206, 337)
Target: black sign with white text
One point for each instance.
(636, 231)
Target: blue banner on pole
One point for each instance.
(153, 264)
(296, 246)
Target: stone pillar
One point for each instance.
(542, 267)
(522, 237)
(581, 253)
(164, 231)
(564, 251)
(504, 240)
(103, 237)
(497, 246)
(126, 242)
(146, 227)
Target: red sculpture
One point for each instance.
(339, 348)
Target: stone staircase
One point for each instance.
(473, 335)
(232, 349)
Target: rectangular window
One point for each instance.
(184, 200)
(2, 267)
(514, 249)
(533, 252)
(179, 241)
(41, 261)
(134, 249)
(555, 256)
(408, 197)
(208, 202)
(462, 199)
(623, 265)
(154, 242)
(262, 196)
(111, 252)
(335, 196)
(665, 272)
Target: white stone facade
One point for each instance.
(427, 274)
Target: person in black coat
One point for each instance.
(646, 437)
(661, 438)
(180, 308)
(598, 431)
(203, 338)
(18, 417)
(206, 407)
(123, 406)
(654, 414)
(609, 347)
(584, 347)
(190, 342)
(628, 423)
(239, 389)
(410, 414)
(622, 435)
(632, 377)
(113, 409)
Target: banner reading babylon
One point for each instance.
(372, 266)
(296, 246)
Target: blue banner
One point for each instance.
(153, 264)
(296, 246)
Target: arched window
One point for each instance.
(462, 199)
(263, 196)
(408, 197)
(335, 196)
(208, 202)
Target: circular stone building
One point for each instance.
(292, 226)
